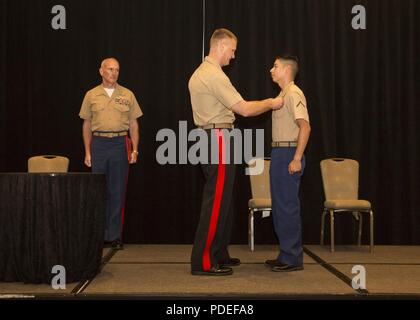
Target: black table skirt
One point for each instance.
(51, 219)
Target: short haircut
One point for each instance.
(292, 61)
(220, 34)
(106, 59)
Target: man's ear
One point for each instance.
(221, 46)
(218, 45)
(101, 72)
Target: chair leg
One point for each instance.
(332, 229)
(251, 229)
(323, 226)
(371, 231)
(359, 236)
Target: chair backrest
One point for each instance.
(260, 183)
(48, 163)
(340, 178)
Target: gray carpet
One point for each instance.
(248, 279)
(164, 271)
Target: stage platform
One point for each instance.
(163, 272)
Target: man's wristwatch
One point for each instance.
(135, 151)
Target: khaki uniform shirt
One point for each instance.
(212, 94)
(284, 123)
(110, 114)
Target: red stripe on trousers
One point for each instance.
(127, 142)
(216, 202)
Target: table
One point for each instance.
(51, 219)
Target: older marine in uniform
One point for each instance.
(110, 114)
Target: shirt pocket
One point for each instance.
(124, 112)
(122, 107)
(279, 114)
(98, 110)
(96, 107)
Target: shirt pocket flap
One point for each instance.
(121, 107)
(98, 107)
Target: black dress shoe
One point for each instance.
(107, 244)
(272, 263)
(117, 245)
(286, 268)
(214, 271)
(232, 262)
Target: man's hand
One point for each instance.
(88, 161)
(134, 156)
(277, 103)
(295, 166)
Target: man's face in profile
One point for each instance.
(277, 71)
(228, 50)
